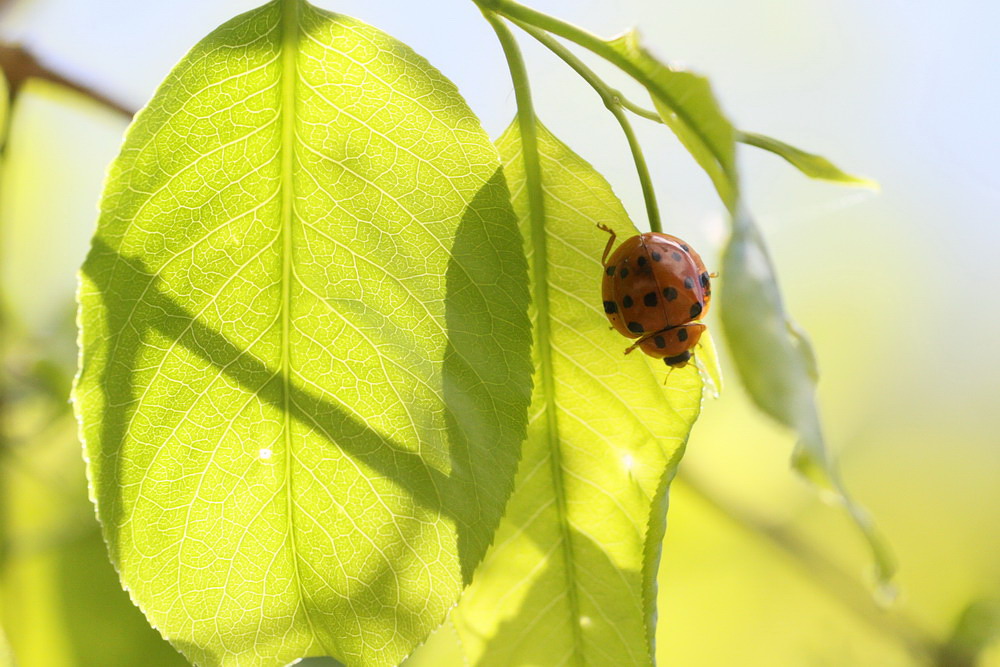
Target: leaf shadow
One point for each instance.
(609, 620)
(484, 439)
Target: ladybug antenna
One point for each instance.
(670, 369)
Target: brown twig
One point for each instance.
(19, 65)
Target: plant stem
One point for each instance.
(648, 114)
(632, 60)
(525, 15)
(613, 101)
(827, 575)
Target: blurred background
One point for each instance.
(897, 290)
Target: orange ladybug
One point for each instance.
(655, 287)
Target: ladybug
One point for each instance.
(655, 287)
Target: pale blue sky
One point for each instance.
(905, 91)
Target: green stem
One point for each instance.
(613, 101)
(633, 67)
(525, 15)
(527, 124)
(648, 114)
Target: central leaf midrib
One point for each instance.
(541, 297)
(290, 29)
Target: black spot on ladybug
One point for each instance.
(660, 343)
(635, 327)
(685, 248)
(695, 309)
(669, 293)
(623, 273)
(642, 260)
(682, 334)
(655, 255)
(676, 256)
(704, 280)
(650, 299)
(610, 270)
(627, 301)
(610, 307)
(688, 283)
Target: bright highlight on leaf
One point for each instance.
(813, 166)
(305, 366)
(571, 578)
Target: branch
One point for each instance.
(19, 65)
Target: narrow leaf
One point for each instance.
(978, 627)
(4, 108)
(305, 364)
(813, 166)
(775, 361)
(571, 578)
(687, 105)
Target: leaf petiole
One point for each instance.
(615, 102)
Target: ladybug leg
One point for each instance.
(642, 339)
(611, 242)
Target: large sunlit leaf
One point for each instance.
(687, 106)
(571, 578)
(810, 164)
(776, 363)
(305, 366)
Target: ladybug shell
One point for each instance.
(654, 281)
(674, 345)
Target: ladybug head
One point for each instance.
(678, 361)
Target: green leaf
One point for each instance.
(4, 107)
(978, 627)
(813, 166)
(6, 656)
(305, 365)
(571, 578)
(687, 105)
(58, 592)
(776, 363)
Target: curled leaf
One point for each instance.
(776, 364)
